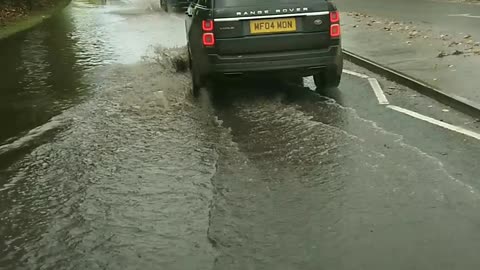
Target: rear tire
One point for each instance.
(297, 81)
(327, 79)
(164, 5)
(196, 80)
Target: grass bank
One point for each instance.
(31, 19)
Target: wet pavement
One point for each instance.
(124, 170)
(448, 16)
(445, 60)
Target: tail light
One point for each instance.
(207, 25)
(335, 31)
(208, 37)
(334, 17)
(334, 24)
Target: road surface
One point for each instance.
(444, 16)
(108, 163)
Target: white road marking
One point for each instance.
(377, 89)
(353, 73)
(439, 123)
(459, 15)
(464, 15)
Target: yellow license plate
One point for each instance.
(273, 26)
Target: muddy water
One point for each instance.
(120, 177)
(128, 172)
(47, 70)
(119, 188)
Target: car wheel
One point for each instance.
(298, 81)
(196, 82)
(327, 79)
(164, 5)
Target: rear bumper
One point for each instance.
(305, 62)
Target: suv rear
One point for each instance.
(291, 37)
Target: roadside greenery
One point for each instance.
(14, 9)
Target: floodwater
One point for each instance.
(48, 70)
(107, 162)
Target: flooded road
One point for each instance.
(107, 162)
(48, 70)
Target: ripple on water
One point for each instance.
(129, 183)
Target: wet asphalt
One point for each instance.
(107, 162)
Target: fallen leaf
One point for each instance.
(441, 55)
(457, 52)
(453, 43)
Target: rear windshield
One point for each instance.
(243, 3)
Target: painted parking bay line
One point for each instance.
(467, 15)
(377, 89)
(436, 122)
(353, 73)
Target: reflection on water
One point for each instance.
(39, 77)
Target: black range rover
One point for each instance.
(288, 37)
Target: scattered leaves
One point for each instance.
(457, 52)
(441, 55)
(453, 43)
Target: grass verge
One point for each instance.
(27, 22)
